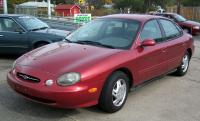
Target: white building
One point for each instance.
(33, 8)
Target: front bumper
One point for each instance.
(62, 97)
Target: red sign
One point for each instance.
(1, 3)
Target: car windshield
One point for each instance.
(179, 18)
(32, 23)
(110, 33)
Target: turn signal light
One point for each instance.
(92, 90)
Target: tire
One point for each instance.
(183, 68)
(114, 93)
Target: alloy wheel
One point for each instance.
(185, 63)
(119, 92)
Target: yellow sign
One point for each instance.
(108, 1)
(81, 1)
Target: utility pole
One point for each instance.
(5, 7)
(49, 9)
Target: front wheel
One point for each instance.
(183, 68)
(114, 93)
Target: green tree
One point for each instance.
(96, 3)
(141, 5)
(135, 5)
(16, 1)
(12, 3)
(59, 1)
(190, 2)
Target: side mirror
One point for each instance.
(69, 33)
(19, 30)
(148, 42)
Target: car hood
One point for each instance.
(62, 57)
(193, 23)
(54, 32)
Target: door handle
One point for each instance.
(163, 51)
(1, 35)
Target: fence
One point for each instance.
(26, 10)
(188, 12)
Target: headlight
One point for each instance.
(69, 79)
(196, 27)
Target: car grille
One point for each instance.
(25, 77)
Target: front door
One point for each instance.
(152, 60)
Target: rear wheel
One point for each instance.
(183, 68)
(114, 93)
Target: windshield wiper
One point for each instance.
(39, 28)
(94, 43)
(44, 27)
(69, 41)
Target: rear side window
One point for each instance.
(151, 30)
(170, 29)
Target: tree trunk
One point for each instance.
(178, 6)
(147, 4)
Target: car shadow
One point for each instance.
(15, 103)
(12, 102)
(95, 109)
(9, 56)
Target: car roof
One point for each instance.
(166, 13)
(138, 17)
(12, 15)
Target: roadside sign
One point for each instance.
(82, 18)
(1, 3)
(81, 2)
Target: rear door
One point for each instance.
(175, 43)
(13, 38)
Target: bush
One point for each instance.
(1, 11)
(103, 12)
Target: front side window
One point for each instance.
(116, 33)
(170, 29)
(8, 25)
(151, 30)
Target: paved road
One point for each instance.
(68, 25)
(167, 99)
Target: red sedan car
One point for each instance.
(101, 61)
(188, 26)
